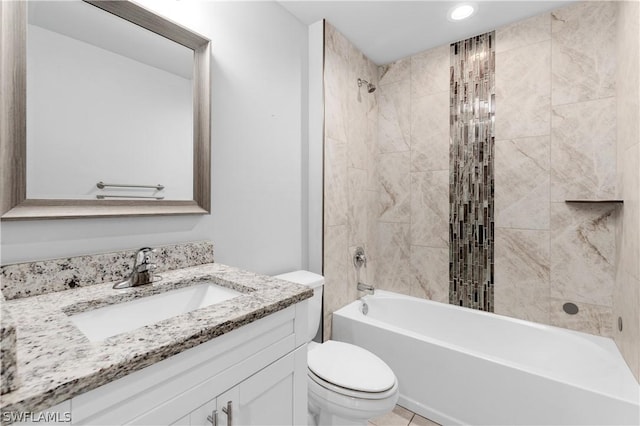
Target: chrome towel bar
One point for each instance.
(103, 185)
(102, 197)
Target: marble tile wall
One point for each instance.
(522, 182)
(350, 173)
(413, 215)
(626, 290)
(583, 124)
(556, 133)
(555, 139)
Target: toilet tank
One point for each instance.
(316, 282)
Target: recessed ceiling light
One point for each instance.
(461, 11)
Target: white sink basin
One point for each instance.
(101, 323)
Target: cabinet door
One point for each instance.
(205, 415)
(183, 421)
(267, 397)
(228, 408)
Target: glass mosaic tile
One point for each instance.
(471, 180)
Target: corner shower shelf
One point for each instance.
(594, 201)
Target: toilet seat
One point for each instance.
(334, 407)
(350, 370)
(350, 392)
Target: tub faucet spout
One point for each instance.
(369, 289)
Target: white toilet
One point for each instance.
(347, 385)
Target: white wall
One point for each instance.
(257, 134)
(316, 145)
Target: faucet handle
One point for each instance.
(359, 258)
(143, 267)
(144, 259)
(144, 255)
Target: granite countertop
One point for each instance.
(57, 362)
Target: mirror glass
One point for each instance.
(107, 101)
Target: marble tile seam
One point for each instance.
(580, 101)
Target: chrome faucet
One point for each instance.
(143, 268)
(369, 289)
(359, 259)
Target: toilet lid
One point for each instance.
(350, 367)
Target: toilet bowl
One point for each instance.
(347, 385)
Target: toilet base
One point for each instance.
(327, 408)
(325, 418)
(328, 419)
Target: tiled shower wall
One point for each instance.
(626, 293)
(350, 182)
(556, 135)
(555, 140)
(413, 215)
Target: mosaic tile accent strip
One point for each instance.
(46, 276)
(471, 174)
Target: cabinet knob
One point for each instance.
(213, 418)
(228, 410)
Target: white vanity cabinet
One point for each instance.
(258, 369)
(266, 398)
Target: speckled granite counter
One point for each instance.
(57, 362)
(8, 379)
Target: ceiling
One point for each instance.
(386, 31)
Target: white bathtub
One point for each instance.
(461, 366)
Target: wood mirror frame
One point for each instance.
(14, 204)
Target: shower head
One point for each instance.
(370, 87)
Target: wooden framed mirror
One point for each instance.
(18, 198)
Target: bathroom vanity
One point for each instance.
(238, 361)
(255, 375)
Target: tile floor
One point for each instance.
(400, 416)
